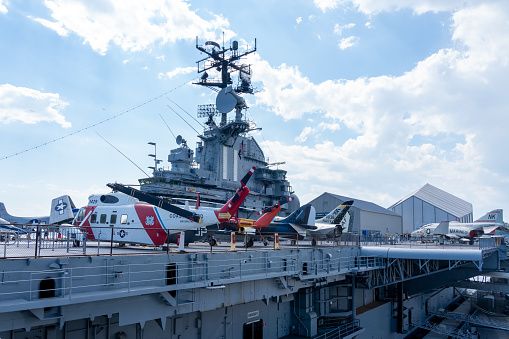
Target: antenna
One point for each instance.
(179, 139)
(225, 101)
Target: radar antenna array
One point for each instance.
(224, 60)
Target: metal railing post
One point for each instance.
(111, 241)
(129, 278)
(70, 283)
(37, 238)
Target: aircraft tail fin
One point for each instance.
(3, 211)
(61, 209)
(337, 214)
(305, 215)
(442, 228)
(495, 216)
(346, 206)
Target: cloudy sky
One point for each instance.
(362, 98)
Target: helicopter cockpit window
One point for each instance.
(81, 215)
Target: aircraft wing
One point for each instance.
(490, 229)
(299, 229)
(442, 228)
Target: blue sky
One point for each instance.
(362, 98)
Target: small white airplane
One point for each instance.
(334, 223)
(487, 224)
(61, 209)
(140, 218)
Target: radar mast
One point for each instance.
(225, 61)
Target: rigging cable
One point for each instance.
(266, 143)
(125, 156)
(174, 137)
(93, 125)
(183, 119)
(186, 112)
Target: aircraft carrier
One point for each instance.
(351, 287)
(225, 150)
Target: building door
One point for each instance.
(253, 330)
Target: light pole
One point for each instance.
(154, 156)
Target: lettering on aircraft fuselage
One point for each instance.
(92, 202)
(456, 230)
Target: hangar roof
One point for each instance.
(441, 199)
(364, 205)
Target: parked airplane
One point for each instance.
(137, 217)
(6, 226)
(61, 209)
(302, 224)
(242, 225)
(294, 226)
(487, 224)
(332, 224)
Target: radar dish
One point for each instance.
(179, 139)
(225, 102)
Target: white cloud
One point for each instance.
(56, 26)
(325, 5)
(304, 134)
(331, 127)
(133, 25)
(339, 29)
(348, 42)
(3, 8)
(178, 71)
(30, 106)
(307, 131)
(404, 125)
(299, 20)
(376, 6)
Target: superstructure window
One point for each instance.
(113, 219)
(93, 218)
(102, 220)
(123, 219)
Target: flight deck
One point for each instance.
(51, 286)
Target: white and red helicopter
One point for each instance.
(132, 216)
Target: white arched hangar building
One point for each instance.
(430, 204)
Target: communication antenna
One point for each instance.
(225, 101)
(181, 141)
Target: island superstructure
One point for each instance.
(224, 150)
